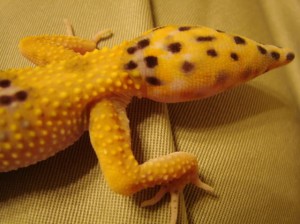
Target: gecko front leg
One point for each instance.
(42, 50)
(110, 137)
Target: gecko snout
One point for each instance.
(279, 56)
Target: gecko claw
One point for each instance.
(174, 197)
(101, 35)
(204, 186)
(69, 27)
(156, 198)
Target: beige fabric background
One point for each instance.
(247, 140)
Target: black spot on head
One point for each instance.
(130, 65)
(187, 66)
(174, 47)
(184, 28)
(131, 50)
(21, 95)
(275, 55)
(5, 100)
(239, 40)
(153, 81)
(212, 53)
(220, 31)
(262, 50)
(5, 83)
(290, 56)
(143, 43)
(205, 38)
(234, 56)
(151, 61)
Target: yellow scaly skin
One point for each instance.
(76, 87)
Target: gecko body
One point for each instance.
(76, 87)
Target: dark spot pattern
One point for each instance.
(143, 43)
(221, 78)
(290, 56)
(262, 50)
(246, 73)
(234, 56)
(212, 53)
(151, 61)
(275, 55)
(131, 65)
(220, 31)
(153, 81)
(131, 50)
(174, 47)
(187, 66)
(5, 100)
(239, 40)
(184, 28)
(5, 83)
(205, 38)
(21, 95)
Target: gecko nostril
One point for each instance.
(290, 56)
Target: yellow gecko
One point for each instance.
(77, 87)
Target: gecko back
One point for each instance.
(34, 124)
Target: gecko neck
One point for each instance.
(106, 74)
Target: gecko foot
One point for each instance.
(101, 35)
(174, 200)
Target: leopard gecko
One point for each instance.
(76, 87)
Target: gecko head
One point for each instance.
(182, 63)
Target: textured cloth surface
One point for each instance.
(246, 139)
